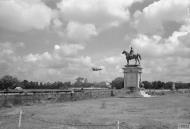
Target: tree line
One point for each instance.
(118, 83)
(10, 82)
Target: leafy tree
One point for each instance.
(66, 85)
(8, 81)
(118, 83)
(80, 79)
(147, 85)
(25, 84)
(79, 82)
(87, 84)
(168, 85)
(100, 84)
(181, 85)
(158, 85)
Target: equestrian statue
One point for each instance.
(131, 55)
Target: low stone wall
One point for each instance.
(166, 92)
(28, 99)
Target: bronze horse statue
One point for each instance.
(129, 57)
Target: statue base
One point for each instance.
(132, 77)
(132, 65)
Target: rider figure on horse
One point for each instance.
(131, 55)
(131, 52)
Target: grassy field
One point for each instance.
(161, 112)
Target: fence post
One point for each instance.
(20, 118)
(117, 125)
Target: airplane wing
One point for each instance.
(96, 69)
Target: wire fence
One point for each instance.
(62, 125)
(30, 121)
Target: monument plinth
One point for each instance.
(132, 77)
(132, 74)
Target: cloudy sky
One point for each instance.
(60, 40)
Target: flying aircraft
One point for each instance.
(96, 69)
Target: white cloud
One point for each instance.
(37, 57)
(98, 12)
(6, 49)
(31, 58)
(166, 69)
(22, 15)
(68, 49)
(57, 23)
(77, 22)
(152, 46)
(9, 48)
(80, 32)
(113, 59)
(9, 61)
(47, 67)
(84, 60)
(165, 59)
(62, 63)
(151, 19)
(156, 46)
(57, 47)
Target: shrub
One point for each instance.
(118, 83)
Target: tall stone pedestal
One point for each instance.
(132, 77)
